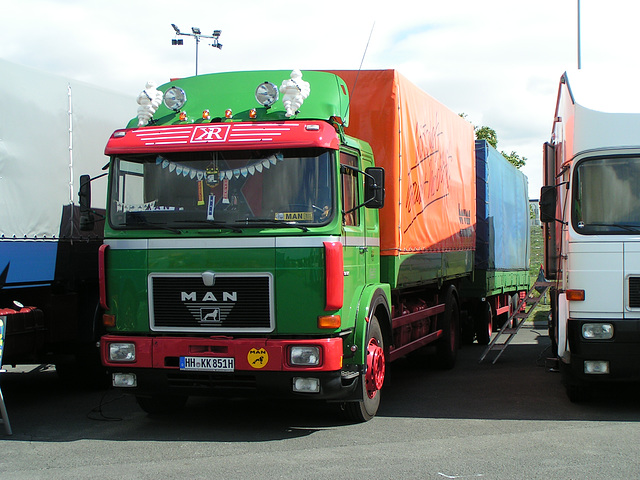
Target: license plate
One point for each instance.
(208, 364)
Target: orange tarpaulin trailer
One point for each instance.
(427, 152)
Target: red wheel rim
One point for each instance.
(375, 368)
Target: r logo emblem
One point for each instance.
(208, 134)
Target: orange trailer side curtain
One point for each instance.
(428, 155)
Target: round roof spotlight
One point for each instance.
(267, 94)
(175, 98)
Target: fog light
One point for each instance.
(304, 356)
(596, 367)
(122, 352)
(124, 380)
(597, 331)
(307, 385)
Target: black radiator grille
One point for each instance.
(634, 292)
(232, 304)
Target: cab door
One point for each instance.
(353, 225)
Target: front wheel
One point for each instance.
(371, 379)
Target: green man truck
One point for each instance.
(288, 234)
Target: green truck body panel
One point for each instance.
(486, 283)
(425, 268)
(235, 90)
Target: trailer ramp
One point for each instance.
(517, 319)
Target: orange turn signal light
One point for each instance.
(329, 321)
(575, 295)
(108, 320)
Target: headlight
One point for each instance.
(175, 98)
(304, 356)
(122, 352)
(597, 331)
(267, 94)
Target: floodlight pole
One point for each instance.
(579, 53)
(197, 35)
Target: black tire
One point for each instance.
(448, 345)
(513, 303)
(553, 321)
(83, 370)
(161, 404)
(468, 326)
(371, 379)
(576, 393)
(484, 323)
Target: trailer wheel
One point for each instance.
(484, 323)
(447, 346)
(372, 378)
(161, 404)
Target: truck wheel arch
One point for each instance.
(373, 301)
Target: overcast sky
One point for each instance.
(498, 61)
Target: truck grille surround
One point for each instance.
(234, 303)
(634, 292)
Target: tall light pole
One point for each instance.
(197, 34)
(579, 53)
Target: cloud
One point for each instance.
(499, 61)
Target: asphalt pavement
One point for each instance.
(511, 420)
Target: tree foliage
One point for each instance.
(490, 135)
(515, 159)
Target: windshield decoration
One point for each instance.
(149, 100)
(213, 176)
(294, 92)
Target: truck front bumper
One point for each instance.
(604, 360)
(260, 366)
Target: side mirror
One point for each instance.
(374, 192)
(84, 197)
(548, 199)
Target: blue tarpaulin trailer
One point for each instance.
(501, 263)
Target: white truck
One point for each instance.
(590, 206)
(52, 130)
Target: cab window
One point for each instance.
(350, 192)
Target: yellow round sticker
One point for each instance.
(257, 357)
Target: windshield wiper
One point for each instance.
(212, 223)
(270, 222)
(630, 228)
(156, 225)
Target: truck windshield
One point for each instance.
(606, 198)
(228, 189)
